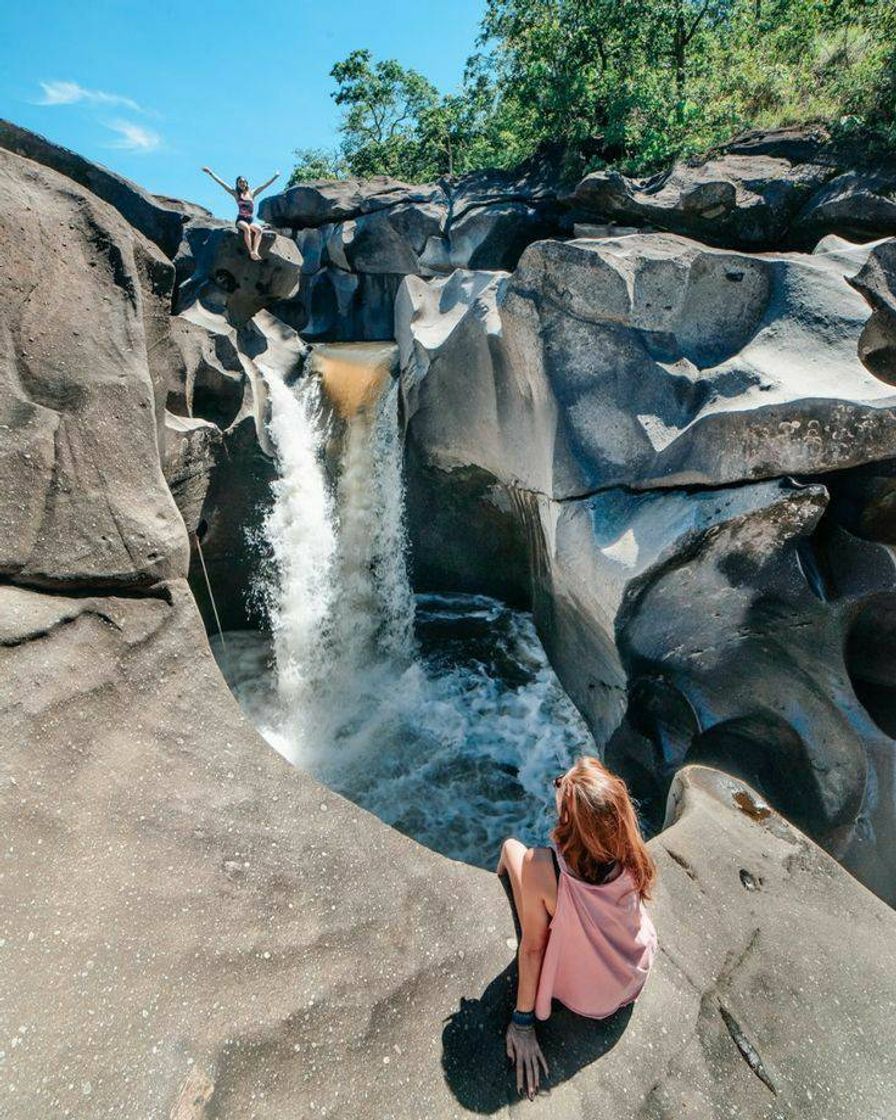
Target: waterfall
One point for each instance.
(448, 723)
(337, 592)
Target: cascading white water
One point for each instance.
(452, 735)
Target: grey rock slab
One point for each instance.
(81, 391)
(786, 187)
(317, 203)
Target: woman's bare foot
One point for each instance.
(255, 256)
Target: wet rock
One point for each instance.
(221, 478)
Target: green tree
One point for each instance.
(383, 104)
(317, 163)
(633, 83)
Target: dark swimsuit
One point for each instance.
(245, 208)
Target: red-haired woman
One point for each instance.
(587, 939)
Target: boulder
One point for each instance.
(645, 361)
(84, 502)
(161, 220)
(358, 239)
(787, 187)
(251, 930)
(337, 200)
(215, 270)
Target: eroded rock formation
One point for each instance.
(191, 927)
(598, 386)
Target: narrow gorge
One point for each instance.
(316, 569)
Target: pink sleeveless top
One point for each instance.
(600, 947)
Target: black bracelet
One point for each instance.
(523, 1018)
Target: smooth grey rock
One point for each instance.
(159, 219)
(787, 187)
(84, 502)
(645, 361)
(201, 848)
(357, 240)
(224, 279)
(876, 280)
(222, 481)
(333, 305)
(192, 447)
(336, 200)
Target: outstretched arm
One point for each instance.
(227, 187)
(264, 186)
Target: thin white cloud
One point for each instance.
(71, 93)
(134, 137)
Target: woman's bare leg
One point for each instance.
(256, 232)
(247, 236)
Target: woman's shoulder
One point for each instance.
(538, 869)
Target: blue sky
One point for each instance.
(156, 90)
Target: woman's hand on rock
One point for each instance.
(524, 1051)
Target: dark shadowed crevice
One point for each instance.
(870, 655)
(767, 753)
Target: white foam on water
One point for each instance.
(451, 736)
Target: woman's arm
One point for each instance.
(521, 1042)
(264, 186)
(534, 920)
(220, 182)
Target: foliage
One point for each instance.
(317, 163)
(631, 83)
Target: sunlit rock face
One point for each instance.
(672, 421)
(645, 361)
(764, 190)
(359, 239)
(84, 317)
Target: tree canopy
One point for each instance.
(632, 83)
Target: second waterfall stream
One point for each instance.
(438, 713)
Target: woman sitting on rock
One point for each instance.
(587, 939)
(245, 203)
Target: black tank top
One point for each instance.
(607, 870)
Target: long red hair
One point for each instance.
(597, 824)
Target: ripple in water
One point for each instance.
(458, 749)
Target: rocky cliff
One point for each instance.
(680, 455)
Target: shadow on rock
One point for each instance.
(474, 1059)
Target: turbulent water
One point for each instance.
(440, 714)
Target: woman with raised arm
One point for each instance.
(587, 939)
(245, 204)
